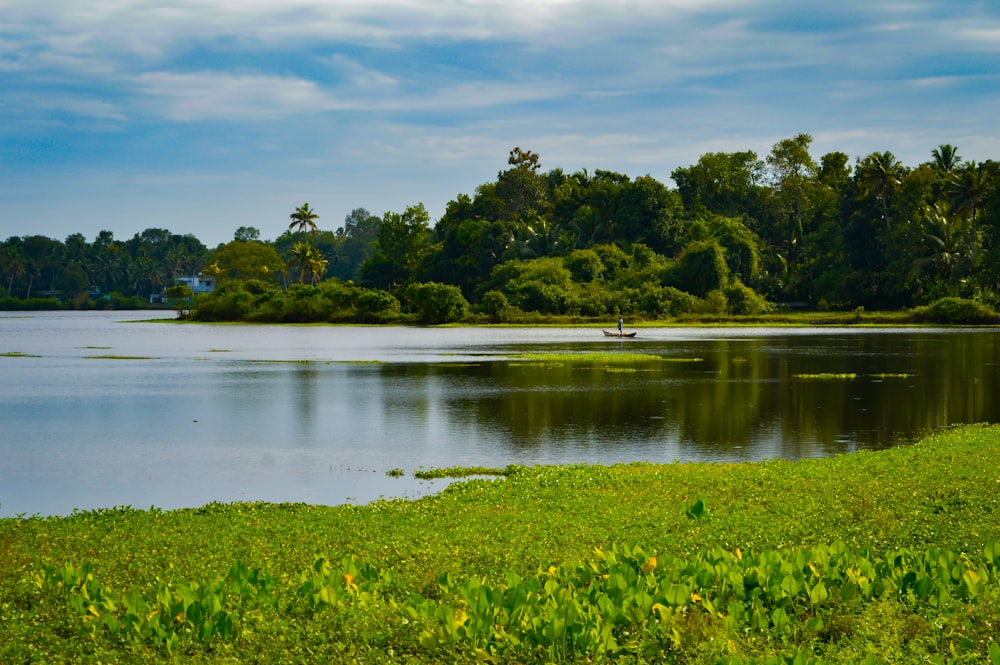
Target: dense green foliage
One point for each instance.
(867, 557)
(737, 233)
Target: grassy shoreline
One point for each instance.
(539, 523)
(781, 318)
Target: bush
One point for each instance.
(230, 302)
(666, 301)
(342, 295)
(437, 303)
(594, 299)
(18, 304)
(259, 287)
(714, 303)
(701, 269)
(744, 300)
(542, 297)
(956, 311)
(119, 302)
(585, 265)
(377, 306)
(495, 305)
(305, 304)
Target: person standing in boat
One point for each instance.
(621, 322)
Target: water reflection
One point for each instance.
(320, 414)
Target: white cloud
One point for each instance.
(427, 96)
(361, 76)
(84, 106)
(221, 96)
(987, 38)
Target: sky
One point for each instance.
(202, 116)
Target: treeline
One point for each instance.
(737, 234)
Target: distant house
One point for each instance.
(197, 283)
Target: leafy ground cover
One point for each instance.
(867, 557)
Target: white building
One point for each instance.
(198, 283)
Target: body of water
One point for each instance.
(97, 410)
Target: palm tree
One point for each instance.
(968, 195)
(307, 260)
(942, 232)
(946, 158)
(14, 266)
(304, 218)
(317, 265)
(880, 174)
(298, 258)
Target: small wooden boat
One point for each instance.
(615, 333)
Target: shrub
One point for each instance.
(18, 304)
(701, 268)
(957, 311)
(714, 303)
(305, 304)
(538, 296)
(377, 306)
(437, 303)
(585, 265)
(613, 260)
(744, 300)
(666, 301)
(342, 295)
(593, 299)
(495, 305)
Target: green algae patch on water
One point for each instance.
(463, 472)
(607, 358)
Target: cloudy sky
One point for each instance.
(201, 116)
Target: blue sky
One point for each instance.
(201, 116)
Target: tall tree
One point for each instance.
(724, 183)
(308, 261)
(969, 192)
(246, 260)
(792, 171)
(942, 233)
(946, 158)
(402, 240)
(304, 218)
(13, 262)
(248, 233)
(880, 175)
(521, 189)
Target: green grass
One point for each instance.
(866, 557)
(17, 354)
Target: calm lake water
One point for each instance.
(101, 410)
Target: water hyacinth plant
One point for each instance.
(861, 558)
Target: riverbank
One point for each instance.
(242, 582)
